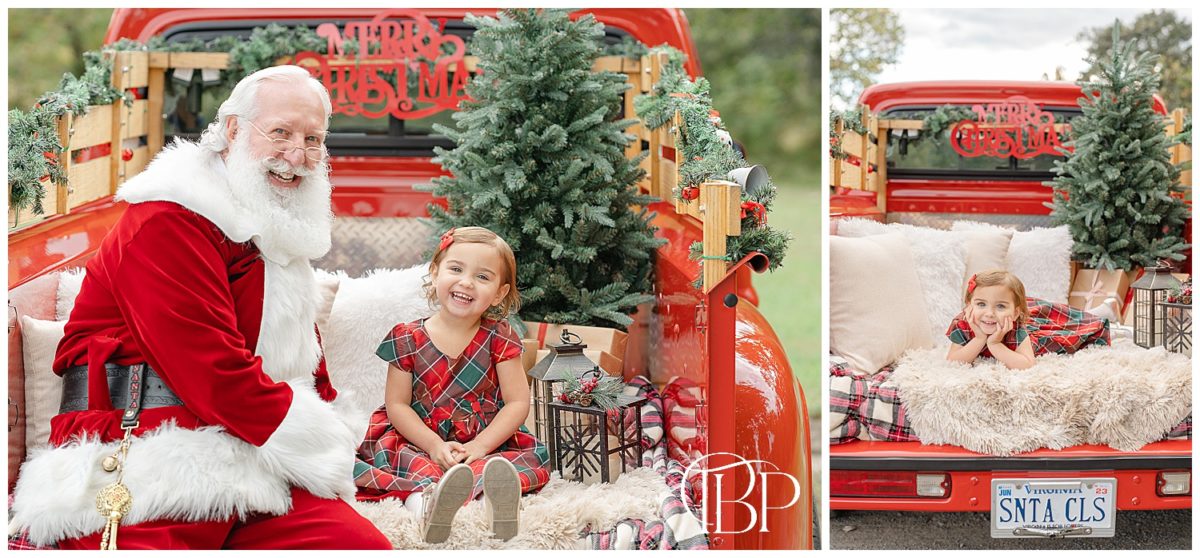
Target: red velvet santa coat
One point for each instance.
(187, 283)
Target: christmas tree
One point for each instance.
(540, 161)
(1115, 190)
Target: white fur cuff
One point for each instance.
(312, 448)
(189, 475)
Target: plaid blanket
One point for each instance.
(864, 406)
(678, 527)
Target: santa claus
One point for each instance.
(192, 341)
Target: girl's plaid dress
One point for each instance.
(1053, 327)
(456, 398)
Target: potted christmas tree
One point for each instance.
(1118, 191)
(540, 160)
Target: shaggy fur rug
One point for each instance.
(553, 518)
(1124, 397)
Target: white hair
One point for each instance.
(243, 102)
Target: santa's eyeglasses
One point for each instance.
(281, 141)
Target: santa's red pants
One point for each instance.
(314, 523)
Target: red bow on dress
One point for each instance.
(462, 429)
(447, 240)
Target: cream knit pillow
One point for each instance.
(876, 309)
(940, 259)
(43, 388)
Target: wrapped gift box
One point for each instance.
(611, 341)
(1092, 286)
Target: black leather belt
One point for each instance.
(137, 379)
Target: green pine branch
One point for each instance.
(539, 159)
(1117, 191)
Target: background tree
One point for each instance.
(861, 43)
(1161, 32)
(765, 68)
(539, 159)
(56, 39)
(1118, 191)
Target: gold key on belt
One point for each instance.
(113, 501)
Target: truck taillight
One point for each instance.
(1174, 483)
(889, 484)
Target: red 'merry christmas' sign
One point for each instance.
(404, 67)
(1013, 128)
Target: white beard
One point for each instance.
(288, 227)
(295, 222)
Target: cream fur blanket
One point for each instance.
(1124, 397)
(553, 518)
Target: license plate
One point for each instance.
(1054, 507)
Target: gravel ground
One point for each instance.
(1140, 530)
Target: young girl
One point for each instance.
(456, 396)
(999, 322)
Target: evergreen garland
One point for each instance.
(942, 120)
(629, 47)
(851, 121)
(600, 390)
(705, 155)
(34, 151)
(1118, 191)
(539, 160)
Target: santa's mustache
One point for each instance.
(280, 166)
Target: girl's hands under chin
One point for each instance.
(1005, 326)
(969, 316)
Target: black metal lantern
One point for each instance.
(1149, 293)
(566, 360)
(596, 445)
(1177, 327)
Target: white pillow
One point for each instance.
(364, 311)
(43, 388)
(1040, 258)
(987, 249)
(327, 288)
(69, 281)
(940, 260)
(876, 310)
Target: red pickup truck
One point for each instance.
(711, 352)
(928, 183)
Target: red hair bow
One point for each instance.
(971, 285)
(447, 240)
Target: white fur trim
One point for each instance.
(311, 448)
(287, 338)
(194, 177)
(188, 475)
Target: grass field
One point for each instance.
(790, 296)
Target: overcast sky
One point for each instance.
(997, 43)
